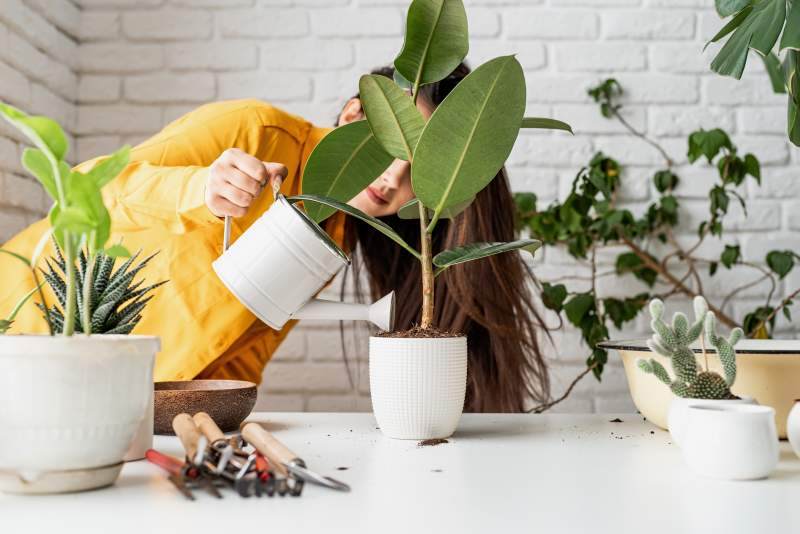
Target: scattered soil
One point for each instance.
(436, 470)
(417, 332)
(432, 442)
(652, 431)
(617, 420)
(342, 468)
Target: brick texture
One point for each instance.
(116, 71)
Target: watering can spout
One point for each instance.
(380, 313)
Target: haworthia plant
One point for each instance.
(675, 343)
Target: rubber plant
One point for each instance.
(78, 217)
(758, 25)
(453, 156)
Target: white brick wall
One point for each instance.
(115, 71)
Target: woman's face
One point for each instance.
(391, 189)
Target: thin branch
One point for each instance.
(643, 137)
(547, 405)
(742, 288)
(785, 302)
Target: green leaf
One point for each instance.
(780, 262)
(381, 226)
(117, 251)
(43, 132)
(775, 72)
(577, 307)
(436, 40)
(707, 143)
(72, 220)
(629, 262)
(410, 210)
(20, 257)
(730, 255)
(393, 118)
(553, 296)
(110, 167)
(345, 162)
(726, 8)
(752, 167)
(469, 136)
(476, 251)
(84, 194)
(791, 32)
(401, 81)
(546, 124)
(665, 181)
(759, 30)
(734, 23)
(36, 163)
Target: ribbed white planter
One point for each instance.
(71, 403)
(417, 385)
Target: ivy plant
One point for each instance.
(453, 155)
(591, 218)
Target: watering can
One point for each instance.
(277, 266)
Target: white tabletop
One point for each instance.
(515, 473)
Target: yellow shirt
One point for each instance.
(158, 204)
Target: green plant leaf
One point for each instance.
(730, 255)
(392, 116)
(43, 132)
(36, 163)
(577, 307)
(380, 226)
(72, 220)
(345, 162)
(401, 81)
(110, 167)
(436, 40)
(546, 124)
(117, 251)
(780, 262)
(707, 143)
(775, 72)
(553, 296)
(791, 32)
(469, 136)
(20, 257)
(84, 194)
(732, 24)
(759, 30)
(410, 210)
(726, 8)
(476, 251)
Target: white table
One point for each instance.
(500, 473)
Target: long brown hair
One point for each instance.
(487, 300)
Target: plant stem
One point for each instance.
(667, 160)
(547, 405)
(427, 268)
(69, 309)
(87, 295)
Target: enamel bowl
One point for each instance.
(768, 370)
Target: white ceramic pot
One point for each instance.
(678, 413)
(418, 385)
(793, 427)
(71, 403)
(732, 442)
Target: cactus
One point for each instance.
(674, 343)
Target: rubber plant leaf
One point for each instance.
(35, 162)
(791, 32)
(546, 124)
(469, 136)
(382, 227)
(43, 132)
(476, 251)
(759, 31)
(436, 41)
(392, 115)
(410, 210)
(726, 8)
(345, 162)
(790, 66)
(732, 24)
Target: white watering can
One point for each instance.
(281, 262)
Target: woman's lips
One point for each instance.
(375, 196)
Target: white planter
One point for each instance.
(732, 442)
(71, 403)
(678, 413)
(793, 428)
(418, 385)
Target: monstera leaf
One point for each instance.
(345, 162)
(392, 116)
(436, 41)
(469, 136)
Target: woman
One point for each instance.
(216, 162)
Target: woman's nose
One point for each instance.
(396, 173)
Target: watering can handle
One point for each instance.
(226, 235)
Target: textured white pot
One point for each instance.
(417, 385)
(793, 428)
(679, 409)
(71, 403)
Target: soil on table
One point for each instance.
(432, 442)
(418, 332)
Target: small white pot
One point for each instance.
(793, 427)
(732, 442)
(71, 404)
(418, 385)
(678, 412)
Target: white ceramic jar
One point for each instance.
(418, 385)
(678, 413)
(732, 442)
(793, 427)
(72, 405)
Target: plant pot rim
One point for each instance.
(404, 338)
(745, 346)
(37, 343)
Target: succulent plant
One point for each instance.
(674, 343)
(116, 300)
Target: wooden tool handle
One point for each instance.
(187, 432)
(208, 427)
(276, 452)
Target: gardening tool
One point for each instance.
(284, 460)
(277, 266)
(195, 446)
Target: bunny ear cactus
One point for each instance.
(674, 343)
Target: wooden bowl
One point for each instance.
(228, 402)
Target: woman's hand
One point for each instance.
(237, 179)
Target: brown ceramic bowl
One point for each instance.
(228, 402)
